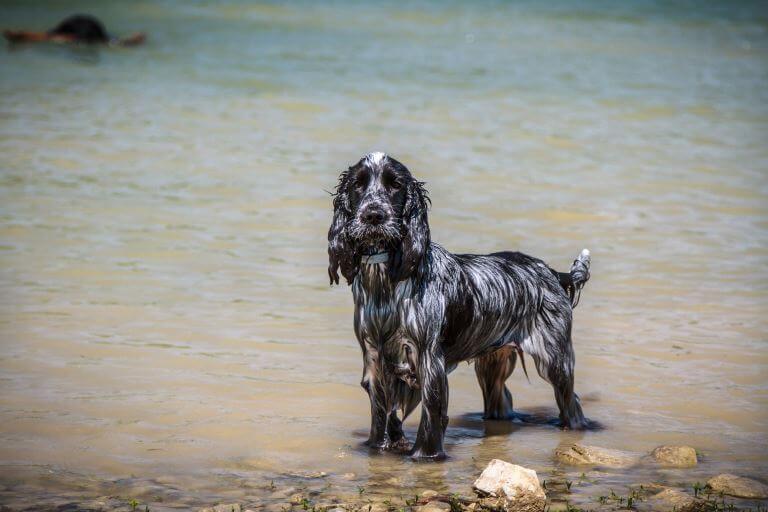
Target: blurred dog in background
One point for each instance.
(79, 28)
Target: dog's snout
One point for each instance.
(374, 216)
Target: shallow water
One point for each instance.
(166, 325)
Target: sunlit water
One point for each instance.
(166, 326)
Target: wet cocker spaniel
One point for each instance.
(420, 310)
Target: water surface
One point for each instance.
(166, 326)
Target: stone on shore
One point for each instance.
(677, 456)
(738, 486)
(429, 493)
(505, 485)
(375, 507)
(647, 489)
(675, 500)
(580, 454)
(296, 499)
(434, 506)
(229, 507)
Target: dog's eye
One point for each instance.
(361, 181)
(395, 185)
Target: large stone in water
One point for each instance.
(673, 500)
(678, 456)
(738, 486)
(511, 487)
(580, 454)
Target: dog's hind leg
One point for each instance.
(405, 399)
(492, 371)
(553, 355)
(571, 415)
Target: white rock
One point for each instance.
(516, 487)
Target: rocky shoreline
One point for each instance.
(500, 487)
(505, 487)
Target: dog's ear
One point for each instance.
(341, 255)
(416, 229)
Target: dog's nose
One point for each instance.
(374, 217)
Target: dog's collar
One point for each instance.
(373, 259)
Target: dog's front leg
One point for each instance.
(373, 384)
(434, 399)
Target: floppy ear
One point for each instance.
(341, 254)
(416, 230)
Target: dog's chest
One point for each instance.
(377, 304)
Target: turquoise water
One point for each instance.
(166, 328)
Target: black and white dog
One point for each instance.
(420, 310)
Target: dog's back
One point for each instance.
(82, 28)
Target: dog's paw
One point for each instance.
(376, 444)
(421, 456)
(582, 424)
(402, 445)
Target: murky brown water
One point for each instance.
(166, 327)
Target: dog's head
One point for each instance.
(378, 206)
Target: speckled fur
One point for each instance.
(425, 309)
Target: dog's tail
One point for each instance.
(575, 280)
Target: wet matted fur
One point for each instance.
(420, 310)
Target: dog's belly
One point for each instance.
(480, 339)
